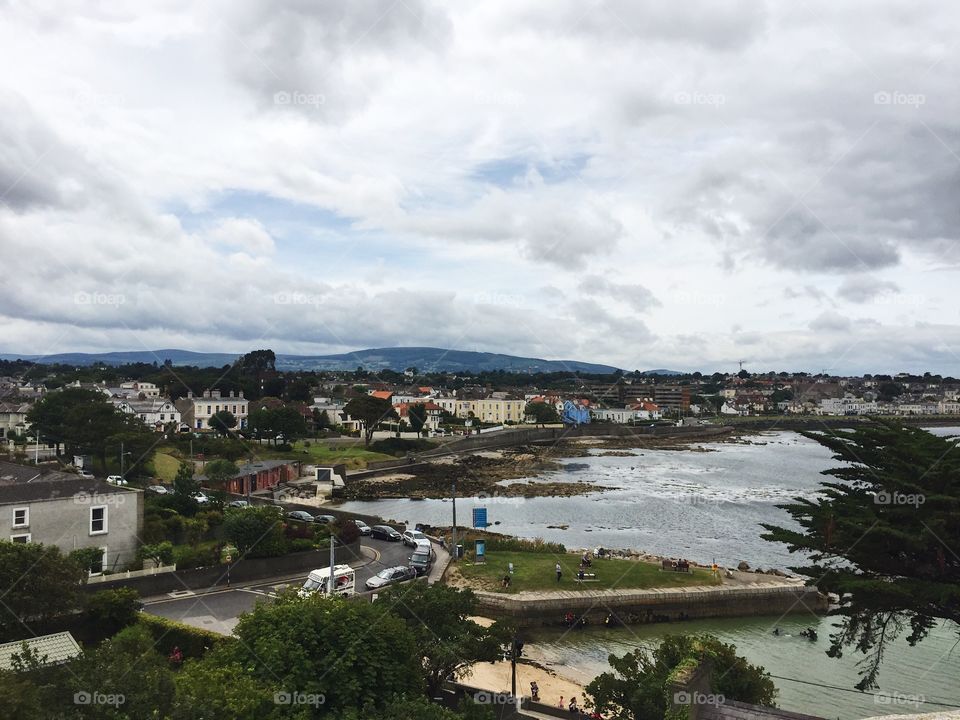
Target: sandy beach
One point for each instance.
(496, 677)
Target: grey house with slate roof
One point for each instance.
(45, 506)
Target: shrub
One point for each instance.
(168, 634)
(115, 608)
(301, 545)
(161, 552)
(194, 530)
(153, 530)
(213, 518)
(510, 544)
(347, 531)
(183, 504)
(188, 557)
(173, 527)
(401, 446)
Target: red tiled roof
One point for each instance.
(382, 394)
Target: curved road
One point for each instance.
(218, 610)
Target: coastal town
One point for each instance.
(515, 360)
(191, 502)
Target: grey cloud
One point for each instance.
(864, 288)
(319, 49)
(637, 296)
(830, 321)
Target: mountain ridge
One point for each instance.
(425, 359)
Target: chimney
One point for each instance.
(241, 393)
(189, 393)
(231, 394)
(206, 393)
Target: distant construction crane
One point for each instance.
(741, 364)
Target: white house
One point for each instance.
(197, 411)
(155, 413)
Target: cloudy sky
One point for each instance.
(646, 184)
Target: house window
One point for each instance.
(98, 520)
(97, 567)
(22, 538)
(21, 517)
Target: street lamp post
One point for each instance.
(453, 493)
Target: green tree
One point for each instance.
(542, 412)
(880, 536)
(223, 422)
(39, 583)
(371, 411)
(448, 641)
(290, 423)
(125, 666)
(256, 531)
(354, 654)
(218, 472)
(216, 687)
(639, 686)
(184, 483)
(50, 416)
(417, 417)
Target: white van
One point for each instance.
(318, 581)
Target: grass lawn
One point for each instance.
(355, 457)
(165, 466)
(536, 571)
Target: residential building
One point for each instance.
(195, 412)
(155, 413)
(57, 508)
(138, 388)
(614, 415)
(13, 418)
(675, 398)
(434, 413)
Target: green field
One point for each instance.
(355, 457)
(165, 466)
(536, 571)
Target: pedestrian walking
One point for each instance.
(510, 568)
(559, 572)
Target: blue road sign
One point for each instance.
(480, 517)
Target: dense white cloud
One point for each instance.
(637, 183)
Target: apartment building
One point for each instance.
(196, 412)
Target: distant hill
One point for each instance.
(661, 371)
(425, 359)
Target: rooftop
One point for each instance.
(26, 483)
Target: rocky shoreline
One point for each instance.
(476, 474)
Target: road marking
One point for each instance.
(178, 594)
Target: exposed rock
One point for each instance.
(743, 566)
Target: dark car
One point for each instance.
(398, 574)
(300, 515)
(384, 532)
(324, 519)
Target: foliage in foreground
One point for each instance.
(639, 686)
(883, 536)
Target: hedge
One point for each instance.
(167, 634)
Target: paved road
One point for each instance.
(218, 610)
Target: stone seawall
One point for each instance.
(531, 609)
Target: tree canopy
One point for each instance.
(371, 411)
(639, 686)
(883, 536)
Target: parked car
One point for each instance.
(362, 527)
(116, 480)
(85, 474)
(324, 519)
(422, 558)
(201, 497)
(300, 516)
(412, 537)
(398, 574)
(384, 532)
(158, 489)
(238, 504)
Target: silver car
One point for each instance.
(398, 574)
